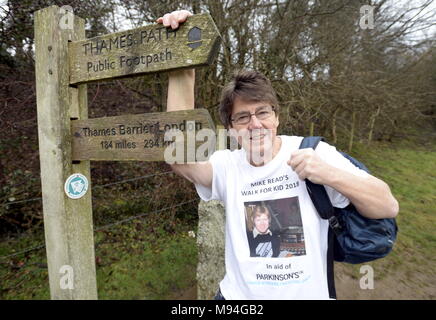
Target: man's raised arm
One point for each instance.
(181, 97)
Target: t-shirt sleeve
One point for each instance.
(218, 161)
(330, 155)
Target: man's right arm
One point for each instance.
(181, 97)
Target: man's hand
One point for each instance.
(180, 82)
(370, 195)
(181, 97)
(308, 165)
(174, 18)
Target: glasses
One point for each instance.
(261, 113)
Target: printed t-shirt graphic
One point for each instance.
(274, 227)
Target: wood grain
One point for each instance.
(69, 235)
(148, 49)
(137, 137)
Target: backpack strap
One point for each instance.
(330, 263)
(325, 209)
(317, 192)
(310, 142)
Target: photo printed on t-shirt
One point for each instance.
(274, 228)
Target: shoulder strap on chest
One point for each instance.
(317, 192)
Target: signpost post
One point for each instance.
(68, 140)
(68, 227)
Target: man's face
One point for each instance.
(261, 223)
(258, 136)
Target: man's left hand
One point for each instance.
(308, 165)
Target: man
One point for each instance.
(271, 167)
(262, 241)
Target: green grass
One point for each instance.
(154, 266)
(135, 260)
(410, 171)
(24, 276)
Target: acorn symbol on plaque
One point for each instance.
(194, 38)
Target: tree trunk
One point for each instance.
(371, 124)
(311, 129)
(353, 124)
(334, 136)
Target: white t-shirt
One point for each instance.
(300, 270)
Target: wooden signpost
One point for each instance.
(143, 50)
(64, 62)
(135, 137)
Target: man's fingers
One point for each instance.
(166, 20)
(179, 16)
(299, 170)
(174, 18)
(296, 158)
(183, 15)
(299, 155)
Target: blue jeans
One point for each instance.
(219, 295)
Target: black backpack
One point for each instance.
(352, 238)
(356, 239)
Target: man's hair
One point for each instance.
(259, 210)
(250, 86)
